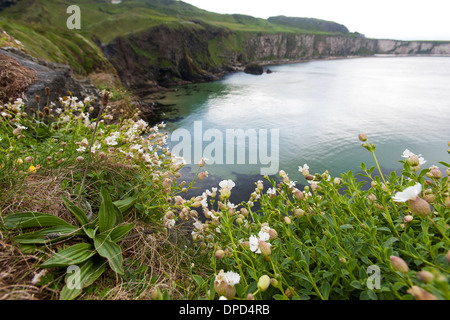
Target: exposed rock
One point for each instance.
(254, 68)
(7, 3)
(34, 75)
(163, 55)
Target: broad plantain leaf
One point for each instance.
(48, 235)
(76, 211)
(126, 205)
(89, 271)
(107, 218)
(32, 220)
(111, 251)
(119, 232)
(75, 254)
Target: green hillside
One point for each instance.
(41, 26)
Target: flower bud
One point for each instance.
(421, 294)
(265, 248)
(273, 234)
(17, 131)
(287, 220)
(225, 192)
(447, 256)
(298, 194)
(166, 183)
(420, 207)
(413, 160)
(425, 276)
(362, 137)
(430, 198)
(250, 297)
(169, 215)
(260, 185)
(408, 219)
(263, 283)
(29, 159)
(80, 159)
(203, 175)
(399, 264)
(220, 254)
(299, 213)
(202, 163)
(434, 173)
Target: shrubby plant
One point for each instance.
(323, 242)
(336, 238)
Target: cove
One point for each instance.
(319, 108)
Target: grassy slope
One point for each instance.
(41, 26)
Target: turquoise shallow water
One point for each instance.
(317, 109)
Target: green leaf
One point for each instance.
(111, 251)
(119, 232)
(48, 235)
(107, 214)
(199, 280)
(90, 232)
(356, 284)
(73, 255)
(89, 271)
(76, 211)
(325, 290)
(33, 220)
(280, 297)
(127, 204)
(445, 164)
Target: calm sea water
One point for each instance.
(318, 109)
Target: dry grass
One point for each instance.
(153, 257)
(14, 78)
(17, 271)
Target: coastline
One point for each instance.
(154, 110)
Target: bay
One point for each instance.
(318, 109)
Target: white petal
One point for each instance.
(409, 193)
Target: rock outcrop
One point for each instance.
(35, 75)
(254, 68)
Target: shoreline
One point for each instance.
(156, 110)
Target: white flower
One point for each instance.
(231, 205)
(254, 244)
(81, 149)
(169, 223)
(254, 241)
(304, 168)
(264, 236)
(232, 278)
(409, 193)
(222, 298)
(291, 184)
(111, 140)
(271, 191)
(407, 154)
(227, 184)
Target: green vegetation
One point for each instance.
(41, 27)
(88, 193)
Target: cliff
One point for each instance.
(153, 43)
(165, 56)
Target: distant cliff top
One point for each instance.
(309, 24)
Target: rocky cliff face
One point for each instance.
(303, 46)
(34, 75)
(165, 55)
